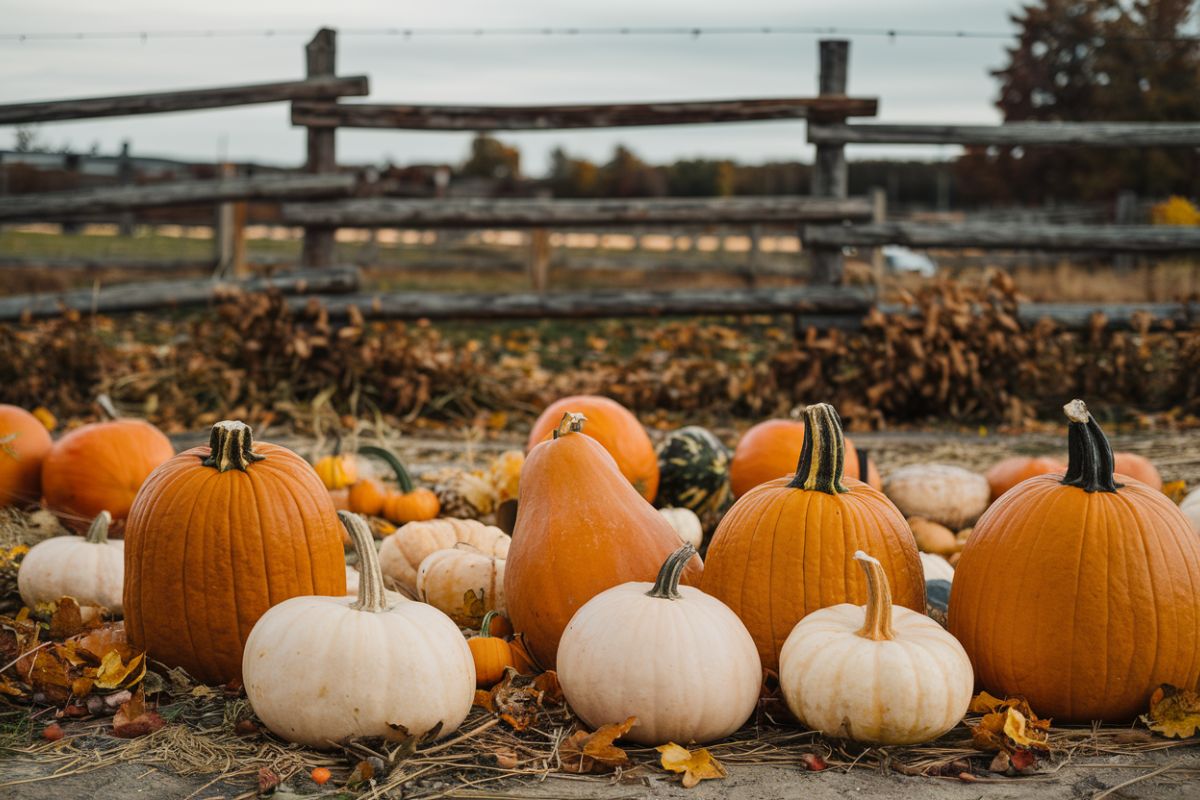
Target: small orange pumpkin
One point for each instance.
(1139, 468)
(337, 471)
(768, 451)
(523, 661)
(367, 496)
(1008, 472)
(24, 444)
(409, 504)
(492, 654)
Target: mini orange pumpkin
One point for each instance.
(24, 444)
(337, 471)
(768, 451)
(367, 496)
(492, 655)
(1139, 468)
(1008, 472)
(409, 504)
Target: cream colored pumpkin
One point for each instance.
(686, 524)
(462, 582)
(946, 494)
(91, 569)
(402, 552)
(322, 670)
(937, 568)
(875, 673)
(674, 657)
(1191, 508)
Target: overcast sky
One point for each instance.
(916, 79)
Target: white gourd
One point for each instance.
(89, 568)
(686, 524)
(401, 553)
(946, 494)
(445, 578)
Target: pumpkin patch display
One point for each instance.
(462, 582)
(409, 504)
(1008, 472)
(323, 670)
(24, 444)
(581, 529)
(943, 493)
(693, 471)
(401, 553)
(217, 535)
(1097, 592)
(491, 654)
(784, 549)
(768, 451)
(91, 569)
(688, 669)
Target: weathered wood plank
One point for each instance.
(1024, 134)
(830, 176)
(186, 100)
(320, 58)
(1010, 236)
(515, 118)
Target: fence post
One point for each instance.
(829, 177)
(539, 259)
(1126, 214)
(229, 236)
(125, 178)
(878, 215)
(320, 61)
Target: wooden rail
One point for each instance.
(1010, 236)
(1024, 134)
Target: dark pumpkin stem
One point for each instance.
(402, 476)
(485, 629)
(877, 622)
(232, 446)
(371, 595)
(667, 585)
(823, 457)
(570, 423)
(1090, 456)
(98, 532)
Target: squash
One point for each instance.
(338, 471)
(409, 504)
(1079, 593)
(491, 655)
(615, 428)
(783, 550)
(675, 658)
(685, 523)
(100, 467)
(24, 444)
(581, 528)
(875, 673)
(936, 568)
(91, 569)
(768, 451)
(463, 583)
(401, 553)
(1190, 506)
(216, 536)
(693, 471)
(1139, 468)
(943, 493)
(933, 538)
(1008, 472)
(321, 671)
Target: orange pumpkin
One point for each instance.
(217, 536)
(492, 655)
(340, 498)
(522, 660)
(768, 451)
(367, 497)
(613, 426)
(581, 528)
(24, 443)
(100, 467)
(1008, 472)
(406, 505)
(1079, 593)
(337, 471)
(1139, 468)
(785, 548)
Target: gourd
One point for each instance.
(401, 553)
(693, 471)
(581, 528)
(685, 523)
(463, 583)
(675, 658)
(768, 451)
(337, 471)
(100, 467)
(1097, 592)
(615, 428)
(1139, 468)
(491, 655)
(1008, 472)
(932, 537)
(936, 568)
(409, 504)
(944, 493)
(1191, 508)
(875, 673)
(216, 536)
(91, 569)
(24, 444)
(783, 550)
(323, 670)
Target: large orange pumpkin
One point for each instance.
(1139, 468)
(1079, 593)
(613, 426)
(580, 529)
(100, 467)
(218, 535)
(1008, 472)
(768, 451)
(786, 547)
(24, 443)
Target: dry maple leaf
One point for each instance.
(696, 767)
(1024, 732)
(113, 673)
(133, 719)
(585, 752)
(1174, 713)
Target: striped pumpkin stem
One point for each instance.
(877, 624)
(667, 585)
(98, 532)
(231, 446)
(1089, 455)
(823, 457)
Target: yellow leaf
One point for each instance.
(1176, 490)
(45, 417)
(114, 674)
(984, 703)
(1174, 713)
(1022, 734)
(696, 767)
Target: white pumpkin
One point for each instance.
(937, 568)
(1190, 506)
(686, 524)
(875, 673)
(946, 494)
(401, 553)
(462, 582)
(677, 659)
(322, 670)
(91, 569)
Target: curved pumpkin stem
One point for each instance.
(1090, 456)
(667, 585)
(371, 596)
(98, 532)
(485, 629)
(232, 446)
(402, 476)
(823, 457)
(570, 423)
(877, 624)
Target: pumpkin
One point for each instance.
(218, 535)
(783, 550)
(685, 523)
(401, 553)
(320, 671)
(499, 625)
(409, 504)
(875, 673)
(100, 467)
(1139, 468)
(936, 568)
(933, 538)
(366, 496)
(24, 444)
(943, 493)
(1093, 584)
(91, 569)
(1190, 506)
(615, 428)
(581, 528)
(491, 654)
(338, 471)
(1008, 472)
(523, 661)
(463, 583)
(675, 658)
(340, 499)
(768, 451)
(693, 471)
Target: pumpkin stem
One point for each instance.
(232, 446)
(402, 476)
(667, 585)
(1090, 456)
(877, 624)
(98, 532)
(485, 629)
(570, 423)
(823, 456)
(371, 597)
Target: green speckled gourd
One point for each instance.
(693, 469)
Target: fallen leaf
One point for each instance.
(1023, 760)
(1023, 734)
(483, 699)
(585, 752)
(1174, 713)
(813, 762)
(696, 767)
(114, 674)
(1176, 490)
(268, 781)
(133, 719)
(984, 703)
(67, 619)
(547, 684)
(1007, 725)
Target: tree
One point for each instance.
(491, 158)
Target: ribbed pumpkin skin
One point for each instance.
(21, 457)
(1061, 592)
(208, 552)
(768, 451)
